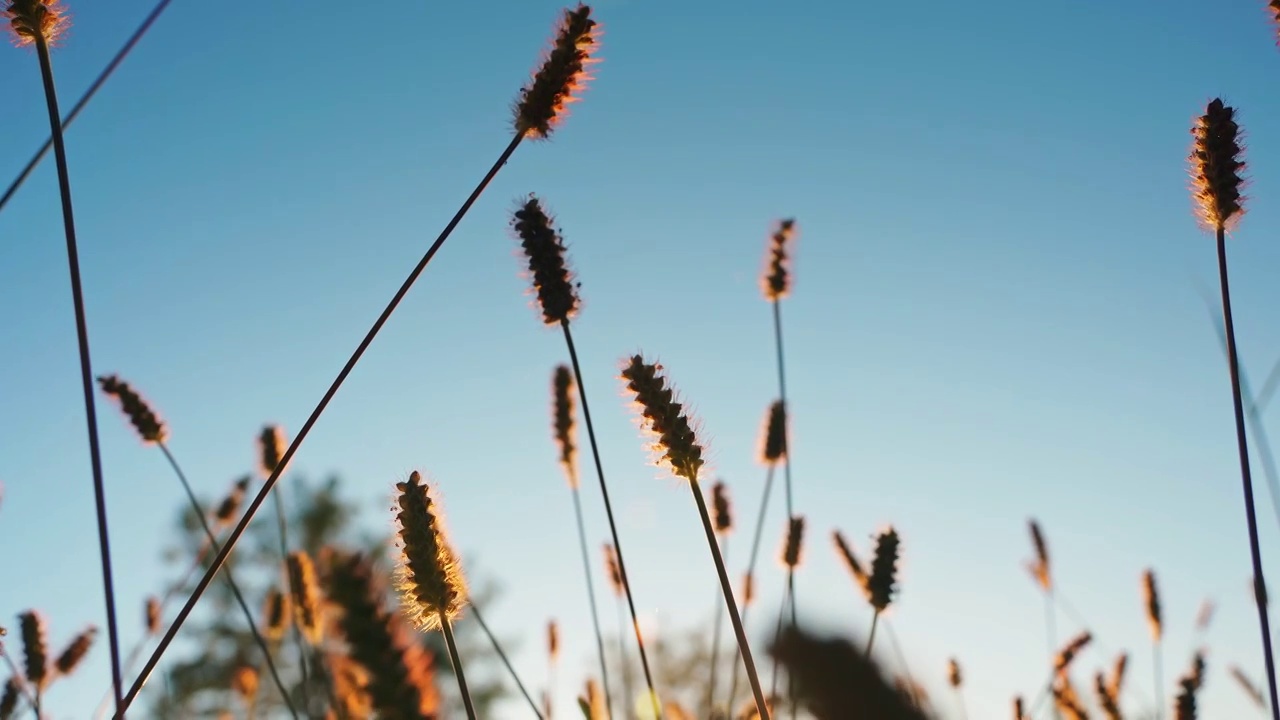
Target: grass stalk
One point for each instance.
(751, 563)
(1246, 478)
(717, 623)
(871, 637)
(753, 677)
(86, 370)
(230, 578)
(1157, 670)
(84, 99)
(591, 594)
(447, 629)
(282, 535)
(305, 430)
(608, 509)
(782, 395)
(502, 656)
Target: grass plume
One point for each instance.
(1108, 701)
(276, 612)
(560, 80)
(1248, 686)
(304, 595)
(565, 429)
(1068, 653)
(140, 413)
(776, 281)
(151, 614)
(851, 562)
(428, 575)
(544, 252)
(75, 651)
(36, 21)
(882, 581)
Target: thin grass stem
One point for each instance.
(628, 694)
(751, 564)
(502, 655)
(608, 509)
(86, 369)
(871, 637)
(1157, 670)
(715, 637)
(1246, 478)
(447, 629)
(753, 677)
(901, 657)
(270, 482)
(282, 535)
(591, 594)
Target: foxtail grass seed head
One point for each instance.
(9, 699)
(592, 702)
(676, 445)
(613, 569)
(74, 653)
(151, 613)
(1274, 9)
(1116, 681)
(776, 282)
(544, 252)
(722, 509)
(304, 592)
(954, 678)
(562, 388)
(881, 585)
(35, 647)
(1151, 598)
(1069, 652)
(229, 508)
(1040, 565)
(144, 419)
(275, 614)
(773, 442)
(1018, 713)
(1196, 674)
(1216, 165)
(244, 682)
(271, 445)
(544, 102)
(748, 588)
(794, 543)
(553, 641)
(851, 561)
(1184, 706)
(1249, 687)
(1067, 700)
(1107, 701)
(428, 575)
(32, 20)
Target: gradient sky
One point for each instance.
(998, 308)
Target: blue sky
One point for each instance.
(997, 313)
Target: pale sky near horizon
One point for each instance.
(997, 314)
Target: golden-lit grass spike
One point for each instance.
(1248, 686)
(1216, 165)
(1108, 702)
(884, 570)
(748, 589)
(1274, 8)
(144, 419)
(776, 282)
(1067, 700)
(851, 561)
(676, 444)
(553, 640)
(229, 508)
(428, 575)
(304, 592)
(31, 19)
(35, 647)
(1018, 713)
(271, 445)
(563, 422)
(9, 699)
(349, 688)
(723, 509)
(1116, 681)
(151, 614)
(954, 678)
(400, 673)
(275, 614)
(545, 252)
(1069, 651)
(1151, 599)
(75, 651)
(1184, 706)
(773, 441)
(244, 682)
(791, 548)
(592, 703)
(544, 102)
(612, 569)
(1040, 566)
(1196, 674)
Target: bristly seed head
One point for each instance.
(1116, 681)
(1216, 165)
(544, 249)
(953, 673)
(428, 575)
(613, 570)
(149, 426)
(851, 560)
(565, 430)
(543, 103)
(9, 700)
(794, 543)
(1070, 650)
(1106, 700)
(271, 445)
(1274, 7)
(229, 508)
(884, 570)
(553, 640)
(304, 591)
(776, 282)
(1151, 598)
(275, 614)
(592, 703)
(773, 443)
(75, 652)
(244, 682)
(723, 510)
(32, 20)
(151, 613)
(1040, 566)
(676, 445)
(748, 588)
(35, 647)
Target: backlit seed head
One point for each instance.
(851, 561)
(1151, 598)
(152, 615)
(613, 570)
(271, 445)
(9, 699)
(544, 252)
(275, 614)
(1040, 565)
(953, 673)
(1216, 165)
(773, 441)
(562, 388)
(544, 102)
(795, 540)
(244, 682)
(304, 594)
(35, 647)
(882, 583)
(553, 640)
(428, 576)
(75, 652)
(1069, 651)
(149, 425)
(675, 444)
(229, 508)
(722, 508)
(32, 20)
(776, 282)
